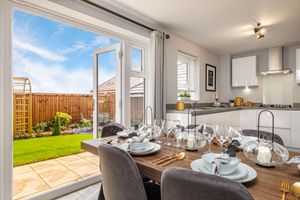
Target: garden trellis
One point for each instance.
(22, 105)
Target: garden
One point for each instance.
(65, 139)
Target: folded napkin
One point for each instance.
(294, 160)
(218, 161)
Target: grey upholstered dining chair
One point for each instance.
(121, 178)
(111, 129)
(184, 184)
(264, 135)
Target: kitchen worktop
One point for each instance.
(211, 110)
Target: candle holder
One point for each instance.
(266, 153)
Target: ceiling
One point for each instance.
(225, 26)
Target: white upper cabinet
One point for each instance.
(298, 65)
(244, 71)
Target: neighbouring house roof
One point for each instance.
(136, 86)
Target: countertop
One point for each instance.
(211, 110)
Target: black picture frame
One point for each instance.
(210, 78)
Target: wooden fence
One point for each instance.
(45, 105)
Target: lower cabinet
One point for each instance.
(295, 129)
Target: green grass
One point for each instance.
(38, 149)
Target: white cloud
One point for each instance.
(53, 78)
(60, 31)
(52, 56)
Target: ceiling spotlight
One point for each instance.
(259, 31)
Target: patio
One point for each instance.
(40, 176)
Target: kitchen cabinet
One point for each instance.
(298, 65)
(248, 119)
(295, 129)
(244, 72)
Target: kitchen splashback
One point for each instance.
(278, 89)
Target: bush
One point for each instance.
(63, 118)
(84, 123)
(42, 127)
(57, 126)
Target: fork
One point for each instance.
(285, 188)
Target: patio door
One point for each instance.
(107, 86)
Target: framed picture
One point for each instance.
(210, 78)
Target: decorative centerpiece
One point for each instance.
(266, 153)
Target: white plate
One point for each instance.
(123, 134)
(245, 172)
(244, 140)
(147, 148)
(154, 148)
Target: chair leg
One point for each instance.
(101, 194)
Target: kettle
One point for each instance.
(239, 101)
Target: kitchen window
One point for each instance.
(187, 75)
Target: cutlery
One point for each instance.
(295, 189)
(163, 158)
(285, 188)
(168, 158)
(179, 157)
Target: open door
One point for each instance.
(107, 87)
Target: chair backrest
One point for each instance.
(111, 129)
(264, 135)
(120, 176)
(178, 184)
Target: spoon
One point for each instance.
(179, 157)
(296, 189)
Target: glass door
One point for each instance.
(107, 87)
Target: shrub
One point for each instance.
(42, 127)
(84, 123)
(57, 126)
(63, 118)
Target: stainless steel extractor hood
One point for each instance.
(276, 62)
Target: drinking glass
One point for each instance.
(234, 133)
(221, 135)
(167, 128)
(157, 129)
(177, 132)
(209, 134)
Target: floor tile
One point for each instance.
(67, 159)
(61, 178)
(87, 170)
(24, 188)
(76, 164)
(22, 169)
(29, 176)
(86, 155)
(48, 171)
(43, 164)
(94, 160)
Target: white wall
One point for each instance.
(172, 46)
(255, 94)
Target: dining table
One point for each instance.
(266, 186)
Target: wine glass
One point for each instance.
(158, 125)
(209, 134)
(177, 132)
(221, 135)
(234, 133)
(168, 125)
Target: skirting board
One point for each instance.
(66, 188)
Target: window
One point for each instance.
(187, 74)
(137, 86)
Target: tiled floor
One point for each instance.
(40, 176)
(88, 193)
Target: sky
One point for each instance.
(58, 58)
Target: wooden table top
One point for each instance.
(266, 186)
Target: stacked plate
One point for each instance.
(243, 173)
(143, 150)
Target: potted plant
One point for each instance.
(185, 96)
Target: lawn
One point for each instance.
(44, 148)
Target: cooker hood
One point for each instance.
(276, 62)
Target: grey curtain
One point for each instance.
(157, 58)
